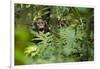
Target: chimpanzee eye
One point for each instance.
(42, 22)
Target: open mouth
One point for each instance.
(41, 29)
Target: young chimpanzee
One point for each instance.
(41, 26)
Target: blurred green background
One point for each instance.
(71, 36)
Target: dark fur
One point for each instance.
(36, 28)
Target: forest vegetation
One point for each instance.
(70, 37)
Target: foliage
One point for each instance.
(71, 36)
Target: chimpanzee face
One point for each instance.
(41, 24)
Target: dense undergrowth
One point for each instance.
(70, 39)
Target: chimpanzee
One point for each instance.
(40, 26)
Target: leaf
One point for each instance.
(33, 50)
